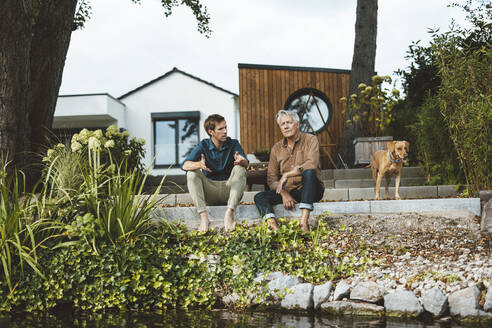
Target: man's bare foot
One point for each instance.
(303, 223)
(204, 222)
(272, 224)
(229, 223)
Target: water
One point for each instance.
(202, 318)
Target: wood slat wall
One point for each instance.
(263, 91)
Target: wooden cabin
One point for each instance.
(313, 92)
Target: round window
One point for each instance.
(313, 108)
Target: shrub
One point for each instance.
(18, 228)
(371, 107)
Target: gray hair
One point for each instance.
(291, 113)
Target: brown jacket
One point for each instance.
(304, 156)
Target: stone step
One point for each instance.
(366, 173)
(368, 183)
(250, 215)
(339, 194)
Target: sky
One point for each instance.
(125, 45)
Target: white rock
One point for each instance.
(463, 301)
(403, 301)
(301, 297)
(434, 301)
(321, 294)
(367, 292)
(341, 290)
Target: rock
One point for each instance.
(301, 297)
(268, 276)
(402, 303)
(367, 291)
(230, 300)
(352, 308)
(434, 301)
(487, 306)
(486, 224)
(341, 290)
(321, 294)
(279, 287)
(464, 302)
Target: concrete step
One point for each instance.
(338, 194)
(366, 173)
(249, 213)
(368, 183)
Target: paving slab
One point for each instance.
(366, 173)
(331, 194)
(166, 199)
(366, 183)
(426, 205)
(405, 192)
(447, 191)
(249, 213)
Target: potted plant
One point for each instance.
(263, 155)
(371, 108)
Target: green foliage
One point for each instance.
(262, 154)
(432, 146)
(115, 207)
(18, 229)
(465, 99)
(448, 106)
(371, 107)
(169, 268)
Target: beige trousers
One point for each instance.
(205, 192)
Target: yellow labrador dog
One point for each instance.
(388, 163)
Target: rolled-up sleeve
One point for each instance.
(194, 156)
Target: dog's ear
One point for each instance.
(407, 145)
(391, 146)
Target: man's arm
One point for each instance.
(202, 164)
(195, 160)
(239, 156)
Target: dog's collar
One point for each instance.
(391, 158)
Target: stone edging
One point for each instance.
(368, 298)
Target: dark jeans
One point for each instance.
(311, 191)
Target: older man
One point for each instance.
(294, 173)
(216, 172)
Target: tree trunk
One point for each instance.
(15, 45)
(50, 41)
(33, 47)
(363, 63)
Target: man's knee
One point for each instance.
(239, 171)
(193, 176)
(309, 174)
(259, 197)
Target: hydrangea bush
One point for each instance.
(115, 147)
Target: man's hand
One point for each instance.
(287, 199)
(203, 164)
(240, 160)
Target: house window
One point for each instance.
(313, 108)
(175, 136)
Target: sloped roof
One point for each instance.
(176, 70)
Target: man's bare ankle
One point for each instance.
(204, 222)
(229, 222)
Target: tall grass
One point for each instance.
(18, 228)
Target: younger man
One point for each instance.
(216, 172)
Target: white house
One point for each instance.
(168, 112)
